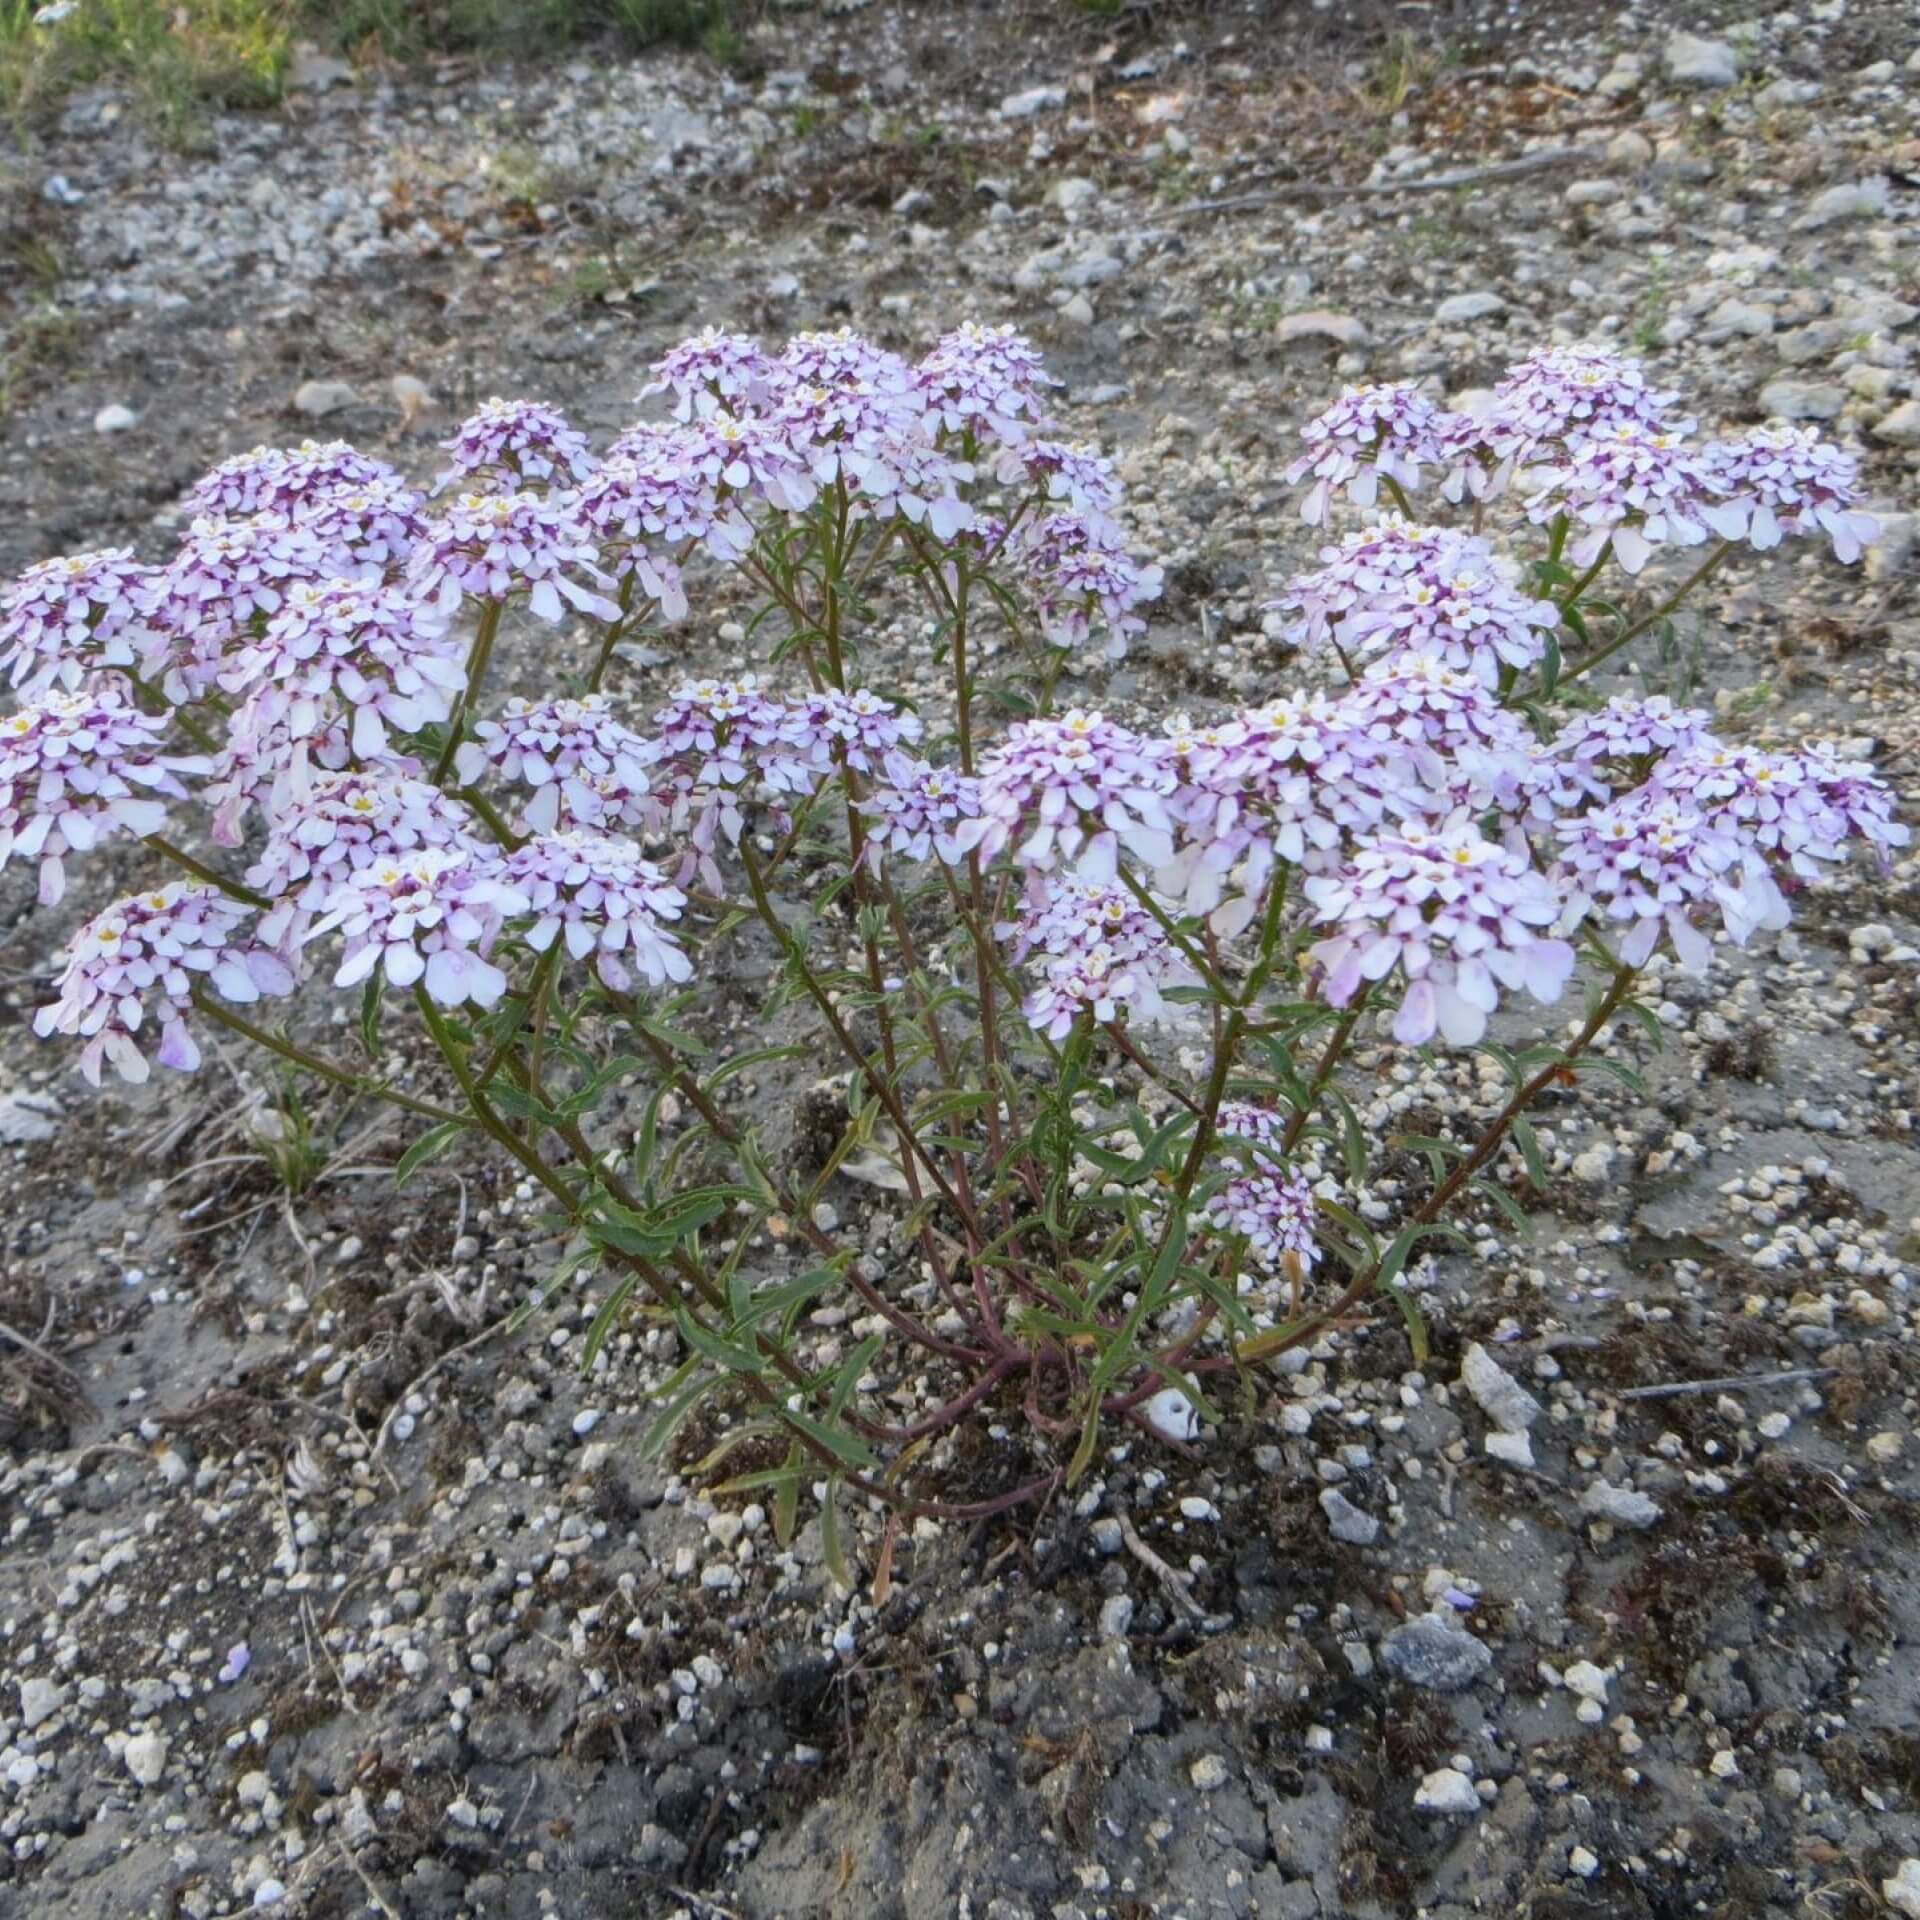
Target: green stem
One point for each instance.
(1702, 572)
(874, 1077)
(1580, 586)
(616, 631)
(1192, 954)
(1265, 1346)
(1329, 1059)
(1223, 1055)
(231, 888)
(483, 1109)
(313, 1064)
(478, 655)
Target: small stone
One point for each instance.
(1856, 200)
(1594, 193)
(1630, 149)
(1501, 1397)
(1172, 1413)
(1208, 1773)
(1347, 1522)
(1587, 1680)
(463, 1813)
(1108, 1535)
(1884, 1448)
(269, 1893)
(1623, 1506)
(318, 398)
(1460, 309)
(1436, 1652)
(26, 1118)
(146, 1757)
(586, 1420)
(411, 396)
(1116, 1616)
(1693, 62)
(40, 1700)
(1584, 1862)
(1902, 1890)
(1341, 329)
(1802, 399)
(115, 419)
(1901, 427)
(1446, 1790)
(1073, 192)
(252, 1788)
(1513, 1449)
(313, 71)
(1032, 100)
(1078, 312)
(1725, 1764)
(1745, 317)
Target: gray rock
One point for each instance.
(1623, 77)
(1693, 62)
(1594, 193)
(1501, 1397)
(146, 1757)
(1436, 1652)
(1341, 329)
(1785, 93)
(1446, 1790)
(40, 1699)
(1901, 427)
(1744, 317)
(1621, 1505)
(1892, 554)
(1073, 192)
(1901, 1890)
(1802, 399)
(1460, 308)
(318, 398)
(1817, 340)
(25, 1118)
(1857, 200)
(1675, 160)
(1020, 106)
(1209, 1773)
(313, 71)
(1078, 312)
(1630, 149)
(1875, 311)
(115, 419)
(1116, 1616)
(1346, 1521)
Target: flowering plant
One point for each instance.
(1092, 980)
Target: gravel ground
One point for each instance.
(323, 1596)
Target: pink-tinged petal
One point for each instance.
(1691, 947)
(1418, 1016)
(177, 1048)
(403, 963)
(358, 965)
(1461, 1022)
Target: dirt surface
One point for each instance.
(321, 1595)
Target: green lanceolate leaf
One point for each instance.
(370, 1004)
(683, 1391)
(830, 1549)
(734, 1356)
(1528, 1142)
(429, 1147)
